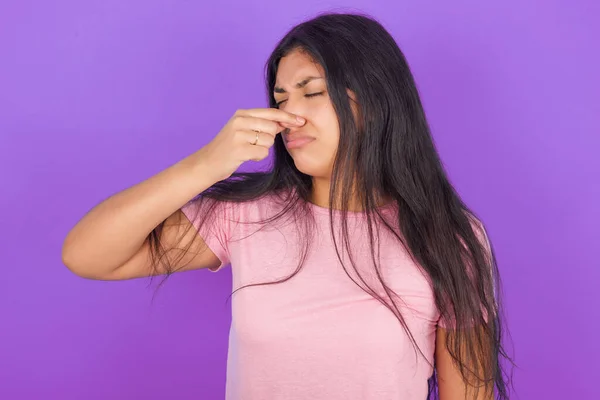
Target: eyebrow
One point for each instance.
(299, 85)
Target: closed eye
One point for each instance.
(309, 95)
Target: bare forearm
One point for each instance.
(111, 233)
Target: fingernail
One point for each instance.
(300, 119)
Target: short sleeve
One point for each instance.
(215, 222)
(483, 238)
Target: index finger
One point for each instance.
(275, 114)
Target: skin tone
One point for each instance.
(301, 89)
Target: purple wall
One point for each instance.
(98, 95)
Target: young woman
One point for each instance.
(358, 271)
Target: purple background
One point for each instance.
(98, 95)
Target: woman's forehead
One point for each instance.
(296, 67)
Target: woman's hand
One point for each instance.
(248, 135)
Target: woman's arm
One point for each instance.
(450, 382)
(111, 241)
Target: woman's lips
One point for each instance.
(295, 143)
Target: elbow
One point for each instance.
(70, 261)
(83, 266)
(74, 262)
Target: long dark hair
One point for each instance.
(387, 152)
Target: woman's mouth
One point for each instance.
(295, 143)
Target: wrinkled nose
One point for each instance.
(295, 105)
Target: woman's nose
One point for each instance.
(295, 105)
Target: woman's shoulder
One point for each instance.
(263, 206)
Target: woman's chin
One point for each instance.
(309, 169)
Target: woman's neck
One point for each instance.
(320, 197)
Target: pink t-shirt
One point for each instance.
(318, 335)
